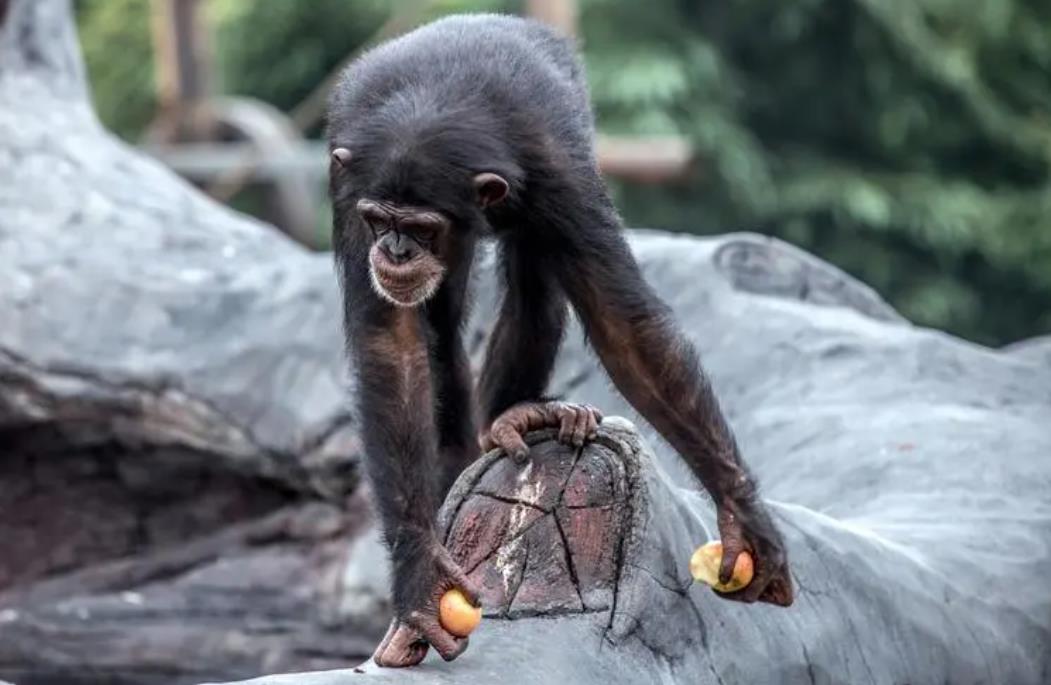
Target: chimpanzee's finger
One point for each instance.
(731, 549)
(546, 415)
(778, 591)
(457, 578)
(751, 592)
(387, 638)
(485, 441)
(510, 440)
(580, 428)
(567, 418)
(445, 643)
(594, 419)
(767, 568)
(402, 647)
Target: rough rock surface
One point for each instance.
(909, 471)
(1036, 349)
(177, 482)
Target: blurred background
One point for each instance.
(907, 141)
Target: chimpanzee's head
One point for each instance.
(416, 236)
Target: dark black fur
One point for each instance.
(421, 116)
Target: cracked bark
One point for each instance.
(529, 552)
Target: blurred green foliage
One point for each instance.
(908, 141)
(279, 51)
(118, 50)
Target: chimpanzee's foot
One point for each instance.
(577, 423)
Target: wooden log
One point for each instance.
(653, 159)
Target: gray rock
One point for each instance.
(920, 557)
(1036, 349)
(215, 325)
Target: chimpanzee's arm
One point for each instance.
(396, 407)
(389, 352)
(657, 370)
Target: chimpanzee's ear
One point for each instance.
(341, 156)
(489, 188)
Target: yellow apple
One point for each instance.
(457, 614)
(705, 562)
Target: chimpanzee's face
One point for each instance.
(406, 258)
(415, 245)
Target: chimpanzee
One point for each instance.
(468, 128)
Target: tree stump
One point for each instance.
(541, 539)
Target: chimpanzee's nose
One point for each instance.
(398, 250)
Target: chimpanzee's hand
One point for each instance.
(415, 625)
(745, 525)
(577, 423)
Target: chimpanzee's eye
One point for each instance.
(425, 234)
(378, 228)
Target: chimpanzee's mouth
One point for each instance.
(405, 284)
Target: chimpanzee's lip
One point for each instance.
(399, 272)
(401, 290)
(406, 275)
(400, 280)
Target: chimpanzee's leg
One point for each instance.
(522, 353)
(527, 335)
